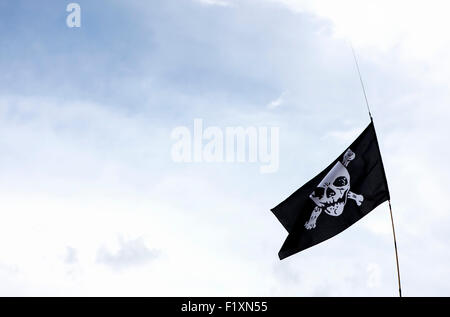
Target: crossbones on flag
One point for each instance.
(347, 190)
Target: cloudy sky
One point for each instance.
(93, 204)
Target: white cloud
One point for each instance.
(71, 256)
(277, 102)
(222, 3)
(374, 278)
(87, 172)
(384, 24)
(343, 137)
(129, 253)
(415, 30)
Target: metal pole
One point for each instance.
(361, 81)
(396, 252)
(390, 207)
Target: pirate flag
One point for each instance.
(347, 190)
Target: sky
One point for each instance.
(92, 203)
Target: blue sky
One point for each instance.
(94, 205)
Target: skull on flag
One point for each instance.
(332, 192)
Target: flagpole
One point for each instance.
(361, 81)
(396, 252)
(390, 207)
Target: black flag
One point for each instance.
(347, 190)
